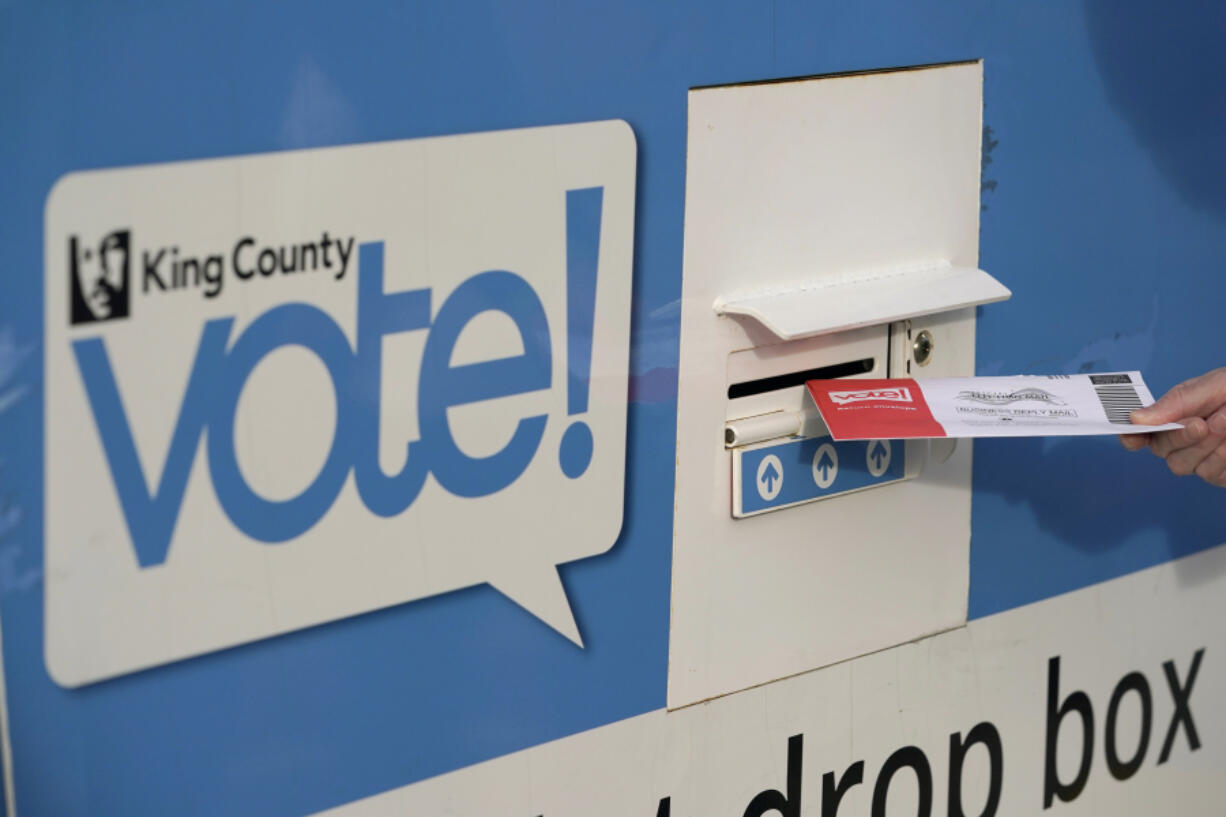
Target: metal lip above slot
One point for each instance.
(823, 307)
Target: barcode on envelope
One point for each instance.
(1118, 400)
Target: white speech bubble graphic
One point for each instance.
(254, 266)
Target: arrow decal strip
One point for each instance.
(781, 473)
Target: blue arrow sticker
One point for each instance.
(825, 463)
(769, 476)
(876, 453)
(792, 471)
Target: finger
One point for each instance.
(1212, 469)
(1217, 423)
(1220, 479)
(1192, 398)
(1185, 461)
(1134, 442)
(1164, 443)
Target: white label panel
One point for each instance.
(880, 727)
(290, 388)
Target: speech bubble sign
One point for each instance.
(291, 388)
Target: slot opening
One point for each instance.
(783, 381)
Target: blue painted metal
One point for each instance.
(1104, 204)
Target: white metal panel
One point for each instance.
(791, 184)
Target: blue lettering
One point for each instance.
(382, 314)
(443, 385)
(151, 515)
(260, 518)
(218, 378)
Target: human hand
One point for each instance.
(1200, 446)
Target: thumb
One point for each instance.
(1151, 415)
(1197, 397)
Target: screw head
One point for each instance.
(921, 349)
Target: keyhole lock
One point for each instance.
(921, 349)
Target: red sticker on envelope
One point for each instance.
(874, 409)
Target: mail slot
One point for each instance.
(780, 454)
